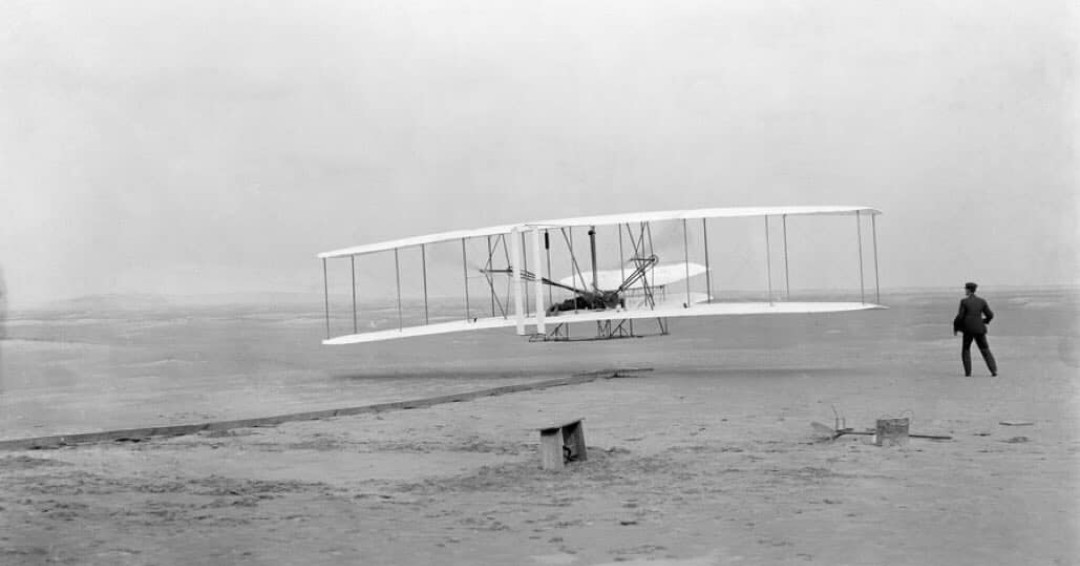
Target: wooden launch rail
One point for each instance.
(140, 434)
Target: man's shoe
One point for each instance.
(993, 374)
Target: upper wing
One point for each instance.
(699, 213)
(418, 241)
(604, 220)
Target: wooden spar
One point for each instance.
(686, 260)
(352, 261)
(547, 250)
(326, 295)
(491, 256)
(877, 280)
(787, 273)
(573, 261)
(708, 278)
(622, 260)
(569, 236)
(768, 260)
(525, 266)
(465, 273)
(541, 311)
(647, 227)
(644, 280)
(592, 255)
(397, 276)
(423, 262)
(515, 265)
(862, 284)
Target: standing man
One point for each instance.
(970, 321)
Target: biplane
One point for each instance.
(643, 281)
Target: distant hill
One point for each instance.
(259, 298)
(112, 301)
(135, 302)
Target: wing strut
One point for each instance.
(397, 277)
(465, 275)
(877, 280)
(592, 255)
(708, 279)
(326, 295)
(525, 264)
(787, 273)
(768, 260)
(515, 261)
(541, 310)
(547, 251)
(573, 258)
(352, 262)
(686, 260)
(622, 268)
(622, 265)
(506, 254)
(862, 284)
(423, 263)
(491, 284)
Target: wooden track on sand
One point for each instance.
(144, 433)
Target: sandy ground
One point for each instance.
(710, 459)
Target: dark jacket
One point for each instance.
(970, 318)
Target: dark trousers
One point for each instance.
(984, 349)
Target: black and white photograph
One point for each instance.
(492, 282)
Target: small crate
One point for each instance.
(562, 443)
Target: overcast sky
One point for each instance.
(214, 147)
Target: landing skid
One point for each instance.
(605, 330)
